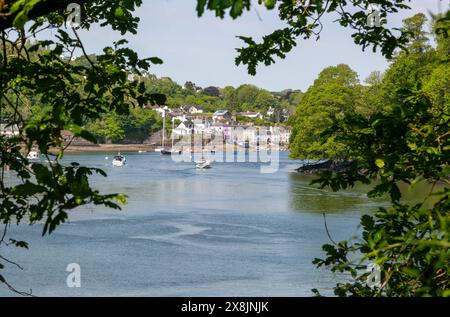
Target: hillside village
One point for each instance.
(236, 114)
(193, 120)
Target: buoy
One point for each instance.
(106, 157)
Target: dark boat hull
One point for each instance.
(165, 152)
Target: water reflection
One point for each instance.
(304, 197)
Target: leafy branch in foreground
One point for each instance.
(42, 93)
(407, 142)
(304, 20)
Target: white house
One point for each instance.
(163, 110)
(241, 134)
(221, 116)
(9, 130)
(280, 135)
(199, 125)
(183, 129)
(195, 110)
(285, 115)
(184, 108)
(252, 115)
(221, 129)
(270, 112)
(180, 116)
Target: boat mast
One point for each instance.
(172, 130)
(203, 146)
(163, 129)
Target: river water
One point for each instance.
(226, 231)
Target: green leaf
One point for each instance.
(25, 8)
(201, 7)
(119, 13)
(156, 60)
(379, 163)
(270, 4)
(27, 189)
(367, 222)
(414, 183)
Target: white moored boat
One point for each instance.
(33, 155)
(172, 151)
(202, 164)
(119, 160)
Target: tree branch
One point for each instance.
(42, 8)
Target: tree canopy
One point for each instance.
(404, 141)
(333, 94)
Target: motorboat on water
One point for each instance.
(203, 164)
(33, 155)
(119, 160)
(170, 152)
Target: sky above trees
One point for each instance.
(203, 50)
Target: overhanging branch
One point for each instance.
(42, 8)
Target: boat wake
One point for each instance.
(184, 230)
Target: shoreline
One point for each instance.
(109, 148)
(102, 148)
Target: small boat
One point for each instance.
(203, 164)
(33, 155)
(172, 150)
(162, 150)
(119, 160)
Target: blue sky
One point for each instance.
(202, 50)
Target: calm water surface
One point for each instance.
(227, 231)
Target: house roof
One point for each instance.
(220, 112)
(184, 125)
(249, 113)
